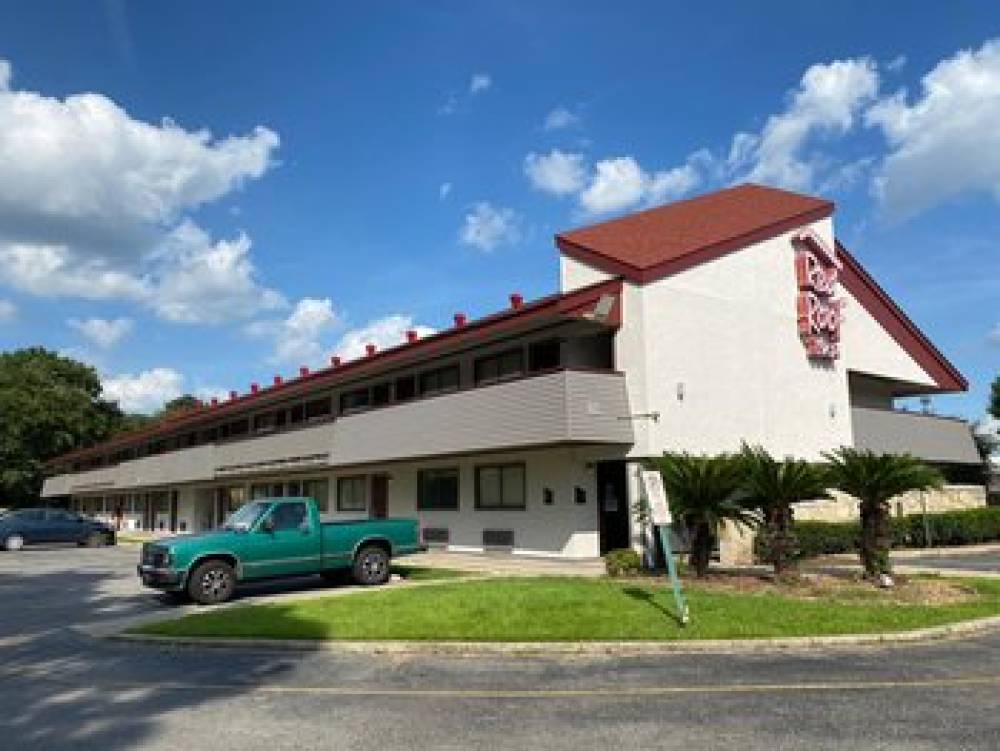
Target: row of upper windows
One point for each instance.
(488, 369)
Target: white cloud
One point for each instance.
(896, 64)
(828, 100)
(560, 118)
(947, 142)
(486, 227)
(55, 271)
(480, 82)
(994, 336)
(297, 337)
(615, 185)
(7, 309)
(198, 281)
(92, 205)
(103, 332)
(146, 391)
(621, 183)
(383, 333)
(557, 172)
(444, 190)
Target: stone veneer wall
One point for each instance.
(845, 508)
(736, 543)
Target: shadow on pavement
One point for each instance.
(60, 688)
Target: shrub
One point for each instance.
(961, 527)
(624, 562)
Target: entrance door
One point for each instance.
(380, 496)
(612, 501)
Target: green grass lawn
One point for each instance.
(567, 609)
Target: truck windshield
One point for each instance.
(246, 516)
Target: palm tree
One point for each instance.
(772, 486)
(702, 493)
(875, 479)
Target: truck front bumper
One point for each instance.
(160, 578)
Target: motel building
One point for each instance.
(734, 316)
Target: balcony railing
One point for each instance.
(930, 437)
(566, 406)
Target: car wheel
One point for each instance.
(95, 540)
(212, 582)
(13, 543)
(371, 565)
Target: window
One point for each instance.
(544, 355)
(351, 401)
(500, 486)
(406, 388)
(318, 408)
(437, 381)
(351, 495)
(319, 491)
(437, 489)
(500, 366)
(263, 423)
(294, 490)
(289, 516)
(260, 491)
(296, 414)
(381, 394)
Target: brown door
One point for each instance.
(380, 496)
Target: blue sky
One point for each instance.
(199, 196)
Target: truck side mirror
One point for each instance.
(267, 525)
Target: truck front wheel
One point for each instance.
(211, 582)
(371, 565)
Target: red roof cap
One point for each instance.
(651, 244)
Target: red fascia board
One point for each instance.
(557, 306)
(898, 325)
(692, 258)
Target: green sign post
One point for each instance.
(659, 513)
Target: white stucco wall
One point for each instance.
(564, 528)
(866, 347)
(715, 351)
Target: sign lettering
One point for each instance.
(819, 312)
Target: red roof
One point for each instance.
(566, 306)
(649, 245)
(898, 325)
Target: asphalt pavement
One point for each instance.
(62, 688)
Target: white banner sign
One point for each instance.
(656, 496)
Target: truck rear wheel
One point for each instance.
(371, 565)
(212, 582)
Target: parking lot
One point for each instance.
(60, 687)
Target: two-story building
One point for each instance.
(734, 316)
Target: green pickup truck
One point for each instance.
(275, 537)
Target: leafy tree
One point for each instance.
(48, 405)
(994, 408)
(773, 485)
(702, 491)
(180, 404)
(875, 479)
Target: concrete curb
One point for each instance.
(588, 648)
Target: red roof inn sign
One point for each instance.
(817, 270)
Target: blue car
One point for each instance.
(30, 525)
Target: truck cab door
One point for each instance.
(286, 542)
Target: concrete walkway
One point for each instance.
(506, 564)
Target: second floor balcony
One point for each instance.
(940, 440)
(567, 406)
